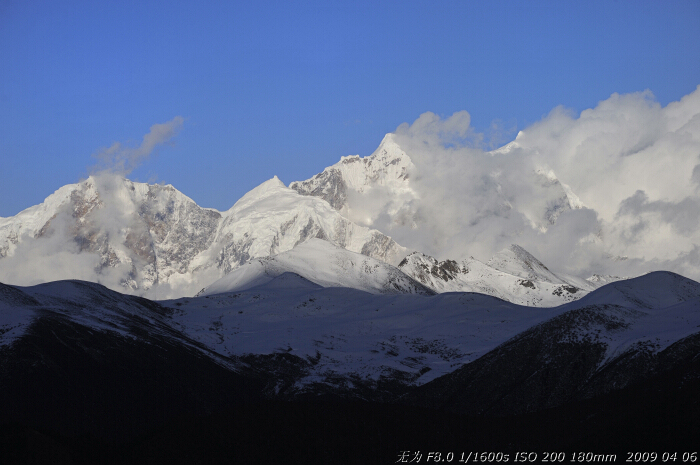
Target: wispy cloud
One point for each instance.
(121, 159)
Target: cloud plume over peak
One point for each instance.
(121, 159)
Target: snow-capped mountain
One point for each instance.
(324, 264)
(136, 236)
(126, 234)
(155, 241)
(385, 178)
(388, 167)
(512, 274)
(301, 300)
(143, 237)
(273, 218)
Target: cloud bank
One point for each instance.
(634, 166)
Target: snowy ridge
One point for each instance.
(519, 262)
(324, 264)
(351, 336)
(30, 221)
(580, 352)
(509, 147)
(513, 275)
(641, 316)
(87, 304)
(16, 313)
(152, 237)
(362, 336)
(154, 241)
(354, 333)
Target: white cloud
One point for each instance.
(57, 256)
(123, 160)
(633, 164)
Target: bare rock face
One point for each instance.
(179, 228)
(426, 269)
(328, 185)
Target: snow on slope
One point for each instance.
(85, 303)
(31, 220)
(659, 289)
(322, 263)
(648, 313)
(16, 313)
(350, 333)
(136, 237)
(273, 218)
(512, 274)
(350, 336)
(519, 262)
(155, 241)
(388, 167)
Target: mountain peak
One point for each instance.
(272, 183)
(519, 262)
(388, 140)
(267, 188)
(390, 150)
(388, 167)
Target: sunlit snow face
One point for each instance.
(617, 181)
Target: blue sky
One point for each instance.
(286, 88)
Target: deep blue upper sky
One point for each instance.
(287, 88)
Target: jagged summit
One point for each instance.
(389, 166)
(270, 185)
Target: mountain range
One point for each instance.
(154, 241)
(138, 326)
